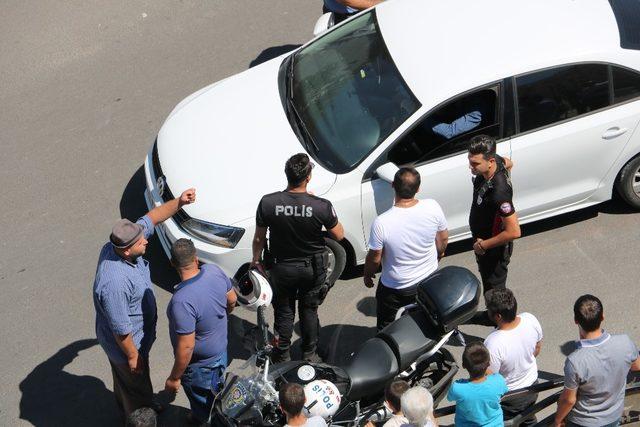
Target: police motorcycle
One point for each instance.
(411, 348)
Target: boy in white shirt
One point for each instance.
(513, 346)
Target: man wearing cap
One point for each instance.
(126, 306)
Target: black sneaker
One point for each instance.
(280, 356)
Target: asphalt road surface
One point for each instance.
(84, 89)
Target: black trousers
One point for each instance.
(493, 266)
(298, 280)
(389, 301)
(515, 406)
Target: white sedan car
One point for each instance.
(556, 82)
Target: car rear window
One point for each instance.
(626, 84)
(627, 13)
(557, 94)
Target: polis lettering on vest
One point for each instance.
(301, 211)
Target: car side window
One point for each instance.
(557, 94)
(447, 130)
(626, 84)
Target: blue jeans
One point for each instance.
(201, 384)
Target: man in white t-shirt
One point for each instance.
(408, 239)
(513, 346)
(292, 400)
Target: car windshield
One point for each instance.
(348, 94)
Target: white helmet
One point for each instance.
(322, 398)
(253, 290)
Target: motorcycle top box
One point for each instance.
(449, 297)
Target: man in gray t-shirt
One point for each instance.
(596, 372)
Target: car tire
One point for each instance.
(628, 184)
(337, 260)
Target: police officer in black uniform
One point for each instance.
(493, 220)
(295, 219)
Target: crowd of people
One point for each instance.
(594, 382)
(406, 243)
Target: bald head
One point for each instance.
(406, 183)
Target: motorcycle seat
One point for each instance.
(370, 369)
(409, 337)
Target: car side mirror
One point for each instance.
(387, 172)
(325, 22)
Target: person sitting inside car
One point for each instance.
(459, 126)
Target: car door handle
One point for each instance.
(613, 132)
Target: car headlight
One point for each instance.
(220, 235)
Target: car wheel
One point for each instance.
(628, 184)
(337, 260)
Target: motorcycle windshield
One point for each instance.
(244, 391)
(236, 396)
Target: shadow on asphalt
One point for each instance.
(242, 338)
(53, 397)
(367, 306)
(272, 52)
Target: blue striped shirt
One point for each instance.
(124, 300)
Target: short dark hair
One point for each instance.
(297, 169)
(483, 144)
(503, 302)
(292, 398)
(183, 252)
(587, 311)
(476, 359)
(406, 182)
(142, 417)
(394, 391)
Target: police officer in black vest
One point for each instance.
(493, 220)
(295, 219)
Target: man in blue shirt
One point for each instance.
(126, 306)
(197, 316)
(342, 9)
